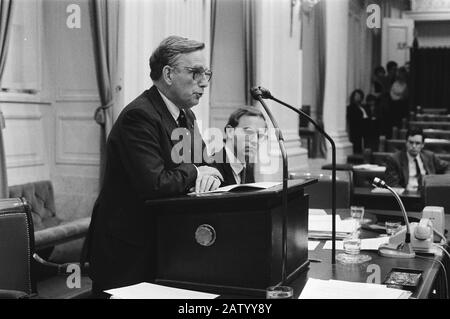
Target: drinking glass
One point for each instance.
(279, 292)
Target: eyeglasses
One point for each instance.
(199, 74)
(261, 134)
(414, 143)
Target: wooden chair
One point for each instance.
(320, 192)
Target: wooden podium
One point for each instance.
(230, 243)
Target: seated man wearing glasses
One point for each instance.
(406, 168)
(245, 129)
(141, 165)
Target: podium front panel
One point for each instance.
(235, 250)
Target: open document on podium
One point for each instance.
(242, 187)
(146, 290)
(337, 289)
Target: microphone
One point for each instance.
(260, 93)
(404, 249)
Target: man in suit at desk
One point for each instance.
(246, 127)
(406, 168)
(142, 165)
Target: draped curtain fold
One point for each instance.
(320, 148)
(430, 77)
(250, 48)
(6, 7)
(105, 23)
(360, 50)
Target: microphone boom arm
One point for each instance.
(284, 199)
(333, 173)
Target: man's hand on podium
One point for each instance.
(208, 179)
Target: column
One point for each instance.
(335, 100)
(279, 69)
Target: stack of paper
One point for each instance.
(337, 289)
(319, 226)
(146, 290)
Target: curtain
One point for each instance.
(105, 23)
(320, 148)
(360, 44)
(250, 48)
(430, 70)
(5, 22)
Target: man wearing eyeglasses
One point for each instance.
(142, 165)
(406, 168)
(245, 129)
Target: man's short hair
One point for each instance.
(379, 69)
(415, 131)
(168, 52)
(391, 65)
(233, 120)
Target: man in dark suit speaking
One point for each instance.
(144, 161)
(406, 168)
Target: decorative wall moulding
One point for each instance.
(430, 5)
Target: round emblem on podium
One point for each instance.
(205, 235)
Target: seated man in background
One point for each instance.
(246, 127)
(406, 168)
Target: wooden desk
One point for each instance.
(431, 286)
(363, 196)
(433, 278)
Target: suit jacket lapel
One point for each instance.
(168, 121)
(228, 170)
(426, 163)
(226, 167)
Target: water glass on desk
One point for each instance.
(279, 292)
(392, 227)
(352, 245)
(357, 214)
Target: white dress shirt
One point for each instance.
(173, 109)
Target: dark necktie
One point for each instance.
(418, 173)
(182, 119)
(248, 174)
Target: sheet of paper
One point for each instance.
(316, 211)
(312, 244)
(146, 290)
(366, 244)
(336, 289)
(339, 245)
(260, 185)
(323, 223)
